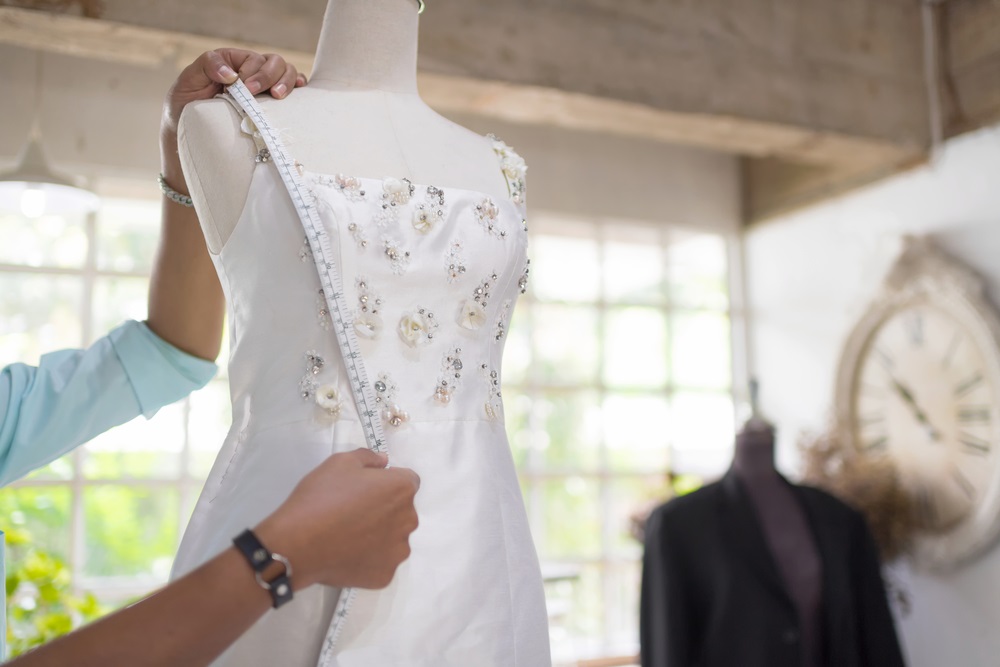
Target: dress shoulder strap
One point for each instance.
(513, 167)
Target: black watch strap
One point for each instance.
(260, 558)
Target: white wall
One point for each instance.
(810, 275)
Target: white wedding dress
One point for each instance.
(431, 275)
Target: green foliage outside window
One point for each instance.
(41, 603)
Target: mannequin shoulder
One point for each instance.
(688, 507)
(218, 162)
(216, 116)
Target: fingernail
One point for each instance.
(227, 73)
(254, 87)
(280, 89)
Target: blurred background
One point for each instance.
(716, 187)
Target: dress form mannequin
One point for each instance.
(360, 115)
(786, 532)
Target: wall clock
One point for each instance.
(918, 382)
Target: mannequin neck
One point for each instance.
(367, 45)
(753, 457)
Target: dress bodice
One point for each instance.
(430, 276)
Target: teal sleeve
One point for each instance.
(73, 396)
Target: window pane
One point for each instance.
(209, 422)
(637, 431)
(38, 314)
(577, 615)
(697, 273)
(623, 585)
(630, 500)
(517, 350)
(517, 414)
(568, 430)
(130, 530)
(635, 348)
(572, 518)
(61, 468)
(52, 240)
(565, 340)
(564, 269)
(43, 512)
(117, 300)
(633, 266)
(700, 350)
(127, 234)
(140, 448)
(703, 432)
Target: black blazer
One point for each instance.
(712, 595)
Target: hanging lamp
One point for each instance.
(33, 188)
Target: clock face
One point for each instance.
(925, 394)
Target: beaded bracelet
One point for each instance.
(172, 194)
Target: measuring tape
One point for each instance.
(333, 289)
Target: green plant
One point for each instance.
(41, 604)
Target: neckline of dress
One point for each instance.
(447, 188)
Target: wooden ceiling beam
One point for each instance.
(565, 69)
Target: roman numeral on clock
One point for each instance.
(877, 444)
(964, 483)
(973, 444)
(968, 385)
(914, 324)
(974, 414)
(884, 358)
(870, 420)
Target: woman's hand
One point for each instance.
(347, 523)
(185, 300)
(205, 77)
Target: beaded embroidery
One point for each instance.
(429, 212)
(501, 324)
(417, 327)
(522, 282)
(488, 215)
(328, 398)
(493, 400)
(358, 234)
(454, 263)
(350, 187)
(367, 321)
(325, 396)
(514, 169)
(305, 252)
(398, 256)
(385, 394)
(323, 311)
(450, 377)
(395, 193)
(472, 312)
(308, 383)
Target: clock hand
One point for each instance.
(920, 415)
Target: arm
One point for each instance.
(75, 395)
(186, 303)
(347, 523)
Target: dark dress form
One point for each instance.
(786, 532)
